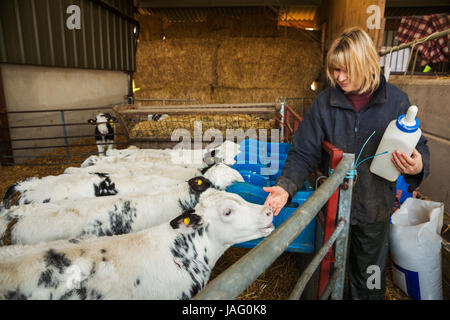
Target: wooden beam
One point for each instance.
(223, 3)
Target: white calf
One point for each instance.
(198, 158)
(170, 261)
(89, 183)
(106, 216)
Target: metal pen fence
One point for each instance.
(12, 159)
(404, 58)
(230, 283)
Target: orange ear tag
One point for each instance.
(186, 221)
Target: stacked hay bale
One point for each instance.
(224, 59)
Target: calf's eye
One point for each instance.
(227, 212)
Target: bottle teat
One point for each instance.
(408, 122)
(410, 118)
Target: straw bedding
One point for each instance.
(275, 283)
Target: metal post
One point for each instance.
(283, 103)
(66, 142)
(230, 283)
(307, 274)
(345, 204)
(330, 285)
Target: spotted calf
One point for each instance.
(104, 131)
(107, 216)
(170, 261)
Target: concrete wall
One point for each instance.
(42, 88)
(432, 96)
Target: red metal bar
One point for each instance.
(330, 219)
(332, 204)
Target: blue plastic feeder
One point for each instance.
(254, 157)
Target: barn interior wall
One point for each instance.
(431, 97)
(225, 59)
(48, 88)
(342, 14)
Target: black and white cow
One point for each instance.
(89, 183)
(106, 216)
(157, 117)
(170, 261)
(195, 158)
(104, 131)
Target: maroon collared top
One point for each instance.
(359, 101)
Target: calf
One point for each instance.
(106, 216)
(197, 158)
(170, 261)
(157, 117)
(104, 132)
(90, 183)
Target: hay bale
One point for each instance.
(175, 63)
(267, 63)
(237, 95)
(202, 95)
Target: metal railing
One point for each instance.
(184, 101)
(240, 275)
(399, 57)
(11, 159)
(230, 283)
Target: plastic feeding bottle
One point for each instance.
(401, 134)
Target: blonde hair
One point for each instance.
(354, 52)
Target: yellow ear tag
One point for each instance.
(187, 220)
(212, 160)
(199, 182)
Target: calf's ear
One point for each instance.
(199, 184)
(187, 222)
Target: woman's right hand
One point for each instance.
(276, 199)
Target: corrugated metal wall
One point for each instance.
(34, 32)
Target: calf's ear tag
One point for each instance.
(199, 184)
(186, 221)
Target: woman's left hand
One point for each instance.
(407, 165)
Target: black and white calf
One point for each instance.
(89, 183)
(104, 132)
(120, 214)
(223, 153)
(170, 261)
(157, 117)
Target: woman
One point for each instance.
(359, 102)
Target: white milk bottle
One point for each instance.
(401, 134)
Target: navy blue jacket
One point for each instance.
(332, 118)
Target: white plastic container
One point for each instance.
(401, 134)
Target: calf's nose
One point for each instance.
(268, 211)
